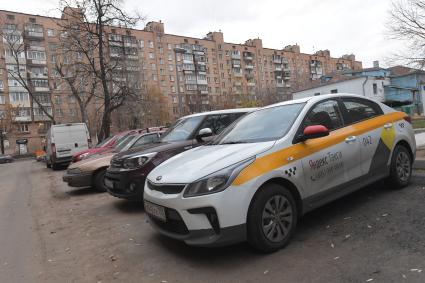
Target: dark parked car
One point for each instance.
(127, 173)
(6, 158)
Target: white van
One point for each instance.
(63, 141)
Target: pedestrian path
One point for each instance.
(420, 140)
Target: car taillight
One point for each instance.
(408, 119)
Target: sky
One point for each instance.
(342, 26)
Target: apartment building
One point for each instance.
(185, 74)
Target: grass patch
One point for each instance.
(418, 124)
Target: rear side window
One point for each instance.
(146, 139)
(359, 109)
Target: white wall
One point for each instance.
(354, 86)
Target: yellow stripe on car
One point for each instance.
(278, 159)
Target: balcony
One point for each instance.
(249, 76)
(277, 60)
(280, 84)
(17, 88)
(36, 62)
(247, 56)
(132, 57)
(41, 89)
(36, 48)
(249, 67)
(236, 56)
(41, 118)
(251, 84)
(12, 60)
(131, 44)
(204, 91)
(22, 119)
(202, 82)
(237, 84)
(34, 34)
(115, 43)
(38, 76)
(278, 69)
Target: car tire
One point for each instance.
(400, 168)
(267, 229)
(98, 181)
(55, 166)
(48, 164)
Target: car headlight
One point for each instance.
(75, 170)
(138, 161)
(84, 155)
(218, 181)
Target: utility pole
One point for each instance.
(1, 141)
(1, 135)
(181, 51)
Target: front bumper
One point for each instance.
(78, 180)
(125, 184)
(211, 220)
(62, 160)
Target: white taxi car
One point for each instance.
(275, 164)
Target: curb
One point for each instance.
(418, 131)
(419, 164)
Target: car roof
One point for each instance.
(317, 98)
(225, 111)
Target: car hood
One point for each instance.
(154, 147)
(93, 163)
(199, 162)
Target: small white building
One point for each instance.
(371, 87)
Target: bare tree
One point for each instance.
(407, 23)
(16, 67)
(87, 29)
(76, 76)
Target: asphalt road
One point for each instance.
(52, 233)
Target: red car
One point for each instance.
(109, 143)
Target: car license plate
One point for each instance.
(109, 184)
(155, 211)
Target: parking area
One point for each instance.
(375, 235)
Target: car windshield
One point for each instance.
(182, 129)
(122, 145)
(105, 141)
(263, 125)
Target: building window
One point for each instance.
(151, 55)
(10, 17)
(71, 112)
(375, 88)
(2, 100)
(59, 112)
(169, 46)
(142, 44)
(170, 57)
(170, 67)
(153, 67)
(154, 78)
(171, 78)
(173, 89)
(50, 32)
(18, 96)
(23, 128)
(150, 44)
(334, 91)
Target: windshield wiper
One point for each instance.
(233, 142)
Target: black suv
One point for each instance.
(125, 178)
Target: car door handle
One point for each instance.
(350, 139)
(187, 147)
(388, 125)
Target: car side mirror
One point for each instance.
(203, 133)
(313, 132)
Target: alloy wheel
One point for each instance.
(403, 166)
(277, 218)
